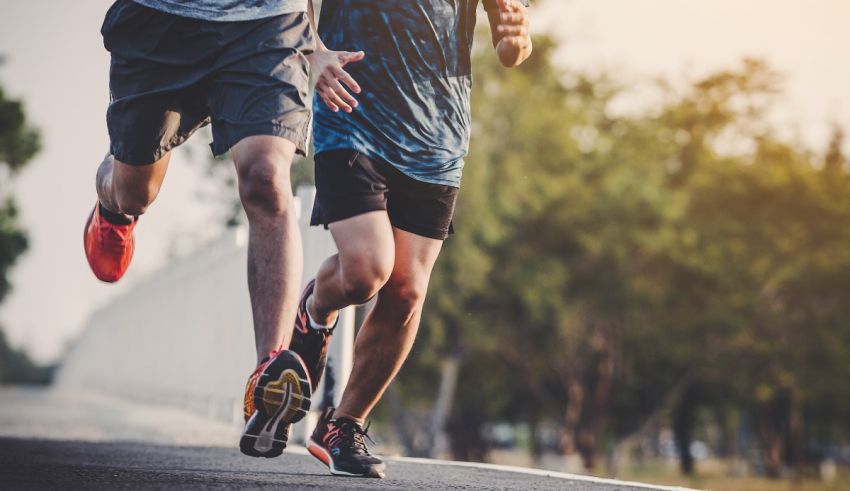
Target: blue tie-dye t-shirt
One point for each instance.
(416, 78)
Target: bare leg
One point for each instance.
(389, 330)
(129, 189)
(275, 258)
(360, 269)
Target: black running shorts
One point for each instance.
(171, 75)
(349, 184)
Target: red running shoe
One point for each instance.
(109, 246)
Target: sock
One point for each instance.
(315, 325)
(114, 218)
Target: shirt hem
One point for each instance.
(454, 183)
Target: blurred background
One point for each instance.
(650, 277)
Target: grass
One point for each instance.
(714, 476)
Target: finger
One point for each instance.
(512, 30)
(347, 57)
(514, 41)
(343, 94)
(327, 95)
(345, 78)
(334, 98)
(512, 18)
(508, 5)
(333, 107)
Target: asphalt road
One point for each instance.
(51, 439)
(45, 464)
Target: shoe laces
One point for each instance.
(114, 238)
(351, 435)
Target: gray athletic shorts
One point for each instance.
(172, 75)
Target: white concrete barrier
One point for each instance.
(184, 337)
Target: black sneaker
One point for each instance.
(277, 395)
(341, 445)
(310, 344)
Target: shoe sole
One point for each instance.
(281, 397)
(324, 457)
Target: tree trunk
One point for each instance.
(402, 427)
(536, 448)
(449, 374)
(572, 415)
(796, 434)
(589, 438)
(770, 425)
(651, 423)
(684, 418)
(464, 429)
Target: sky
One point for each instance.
(56, 63)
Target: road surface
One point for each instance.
(51, 440)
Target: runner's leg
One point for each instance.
(129, 189)
(389, 330)
(275, 258)
(363, 265)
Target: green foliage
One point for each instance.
(17, 368)
(604, 263)
(13, 243)
(18, 144)
(18, 141)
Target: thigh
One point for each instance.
(421, 208)
(415, 257)
(365, 243)
(260, 85)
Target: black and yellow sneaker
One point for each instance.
(310, 343)
(341, 445)
(277, 395)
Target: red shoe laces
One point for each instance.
(114, 238)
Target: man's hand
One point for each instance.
(515, 43)
(329, 77)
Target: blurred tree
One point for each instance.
(18, 141)
(18, 144)
(640, 267)
(16, 367)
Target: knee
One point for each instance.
(367, 281)
(405, 295)
(136, 201)
(264, 187)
